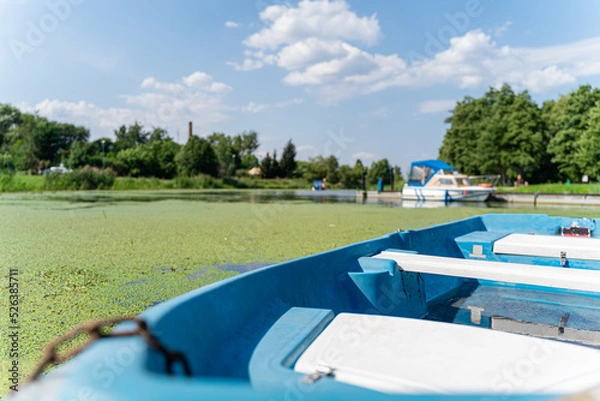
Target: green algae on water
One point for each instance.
(84, 260)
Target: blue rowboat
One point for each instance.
(490, 307)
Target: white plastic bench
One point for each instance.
(398, 355)
(548, 246)
(544, 276)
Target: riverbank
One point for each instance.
(37, 183)
(33, 183)
(582, 189)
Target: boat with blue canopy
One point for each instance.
(435, 180)
(494, 307)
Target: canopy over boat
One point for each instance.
(422, 171)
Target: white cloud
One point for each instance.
(550, 77)
(364, 156)
(378, 113)
(254, 107)
(326, 19)
(499, 30)
(231, 24)
(321, 45)
(305, 148)
(203, 81)
(436, 106)
(151, 82)
(291, 102)
(247, 65)
(197, 97)
(197, 79)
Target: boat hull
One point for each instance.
(464, 194)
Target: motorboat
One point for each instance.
(435, 180)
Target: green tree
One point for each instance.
(398, 174)
(588, 146)
(55, 139)
(164, 153)
(130, 137)
(98, 151)
(227, 154)
(135, 162)
(275, 168)
(316, 168)
(466, 125)
(379, 169)
(548, 170)
(570, 120)
(521, 145)
(350, 177)
(500, 133)
(333, 174)
(358, 171)
(22, 144)
(266, 167)
(288, 160)
(158, 135)
(79, 155)
(7, 164)
(246, 143)
(10, 117)
(249, 161)
(197, 156)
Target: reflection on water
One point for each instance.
(84, 199)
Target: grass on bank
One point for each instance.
(559, 188)
(105, 180)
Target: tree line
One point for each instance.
(507, 133)
(30, 143)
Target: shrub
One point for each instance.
(85, 178)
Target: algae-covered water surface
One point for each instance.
(82, 256)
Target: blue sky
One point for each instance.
(357, 79)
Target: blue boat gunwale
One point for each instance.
(347, 255)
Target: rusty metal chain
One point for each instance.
(94, 330)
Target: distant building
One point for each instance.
(254, 171)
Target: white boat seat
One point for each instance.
(548, 246)
(518, 273)
(411, 356)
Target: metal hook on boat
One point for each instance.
(563, 322)
(322, 371)
(563, 258)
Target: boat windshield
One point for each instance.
(420, 174)
(463, 182)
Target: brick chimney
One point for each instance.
(190, 131)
